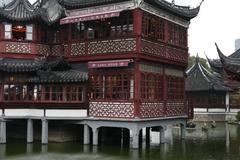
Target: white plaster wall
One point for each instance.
(200, 110)
(24, 112)
(66, 113)
(234, 110)
(221, 110)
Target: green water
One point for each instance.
(221, 143)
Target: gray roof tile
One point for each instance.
(199, 79)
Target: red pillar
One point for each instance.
(137, 28)
(137, 78)
(164, 91)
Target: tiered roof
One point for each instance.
(200, 79)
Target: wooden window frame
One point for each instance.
(151, 87)
(111, 86)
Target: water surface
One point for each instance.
(220, 143)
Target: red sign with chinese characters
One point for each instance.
(89, 17)
(108, 64)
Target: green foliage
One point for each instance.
(192, 59)
(238, 116)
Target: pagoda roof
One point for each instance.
(21, 65)
(32, 65)
(56, 70)
(200, 79)
(230, 64)
(19, 10)
(50, 11)
(183, 11)
(67, 76)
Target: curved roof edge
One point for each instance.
(183, 11)
(50, 11)
(86, 3)
(19, 10)
(215, 65)
(229, 64)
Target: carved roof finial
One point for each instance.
(197, 58)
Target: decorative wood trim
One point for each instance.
(164, 14)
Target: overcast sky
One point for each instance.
(218, 21)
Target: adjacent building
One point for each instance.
(215, 93)
(207, 93)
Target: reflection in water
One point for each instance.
(2, 151)
(227, 138)
(29, 148)
(218, 143)
(44, 148)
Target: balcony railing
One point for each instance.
(114, 46)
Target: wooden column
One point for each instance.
(137, 28)
(164, 91)
(69, 43)
(137, 93)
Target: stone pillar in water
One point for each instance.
(86, 139)
(44, 131)
(3, 138)
(135, 143)
(95, 136)
(183, 131)
(29, 131)
(162, 135)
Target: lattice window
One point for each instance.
(153, 27)
(175, 88)
(112, 86)
(151, 87)
(23, 92)
(177, 35)
(77, 31)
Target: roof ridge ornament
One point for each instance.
(138, 2)
(197, 59)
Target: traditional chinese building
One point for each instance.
(105, 63)
(228, 69)
(207, 93)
